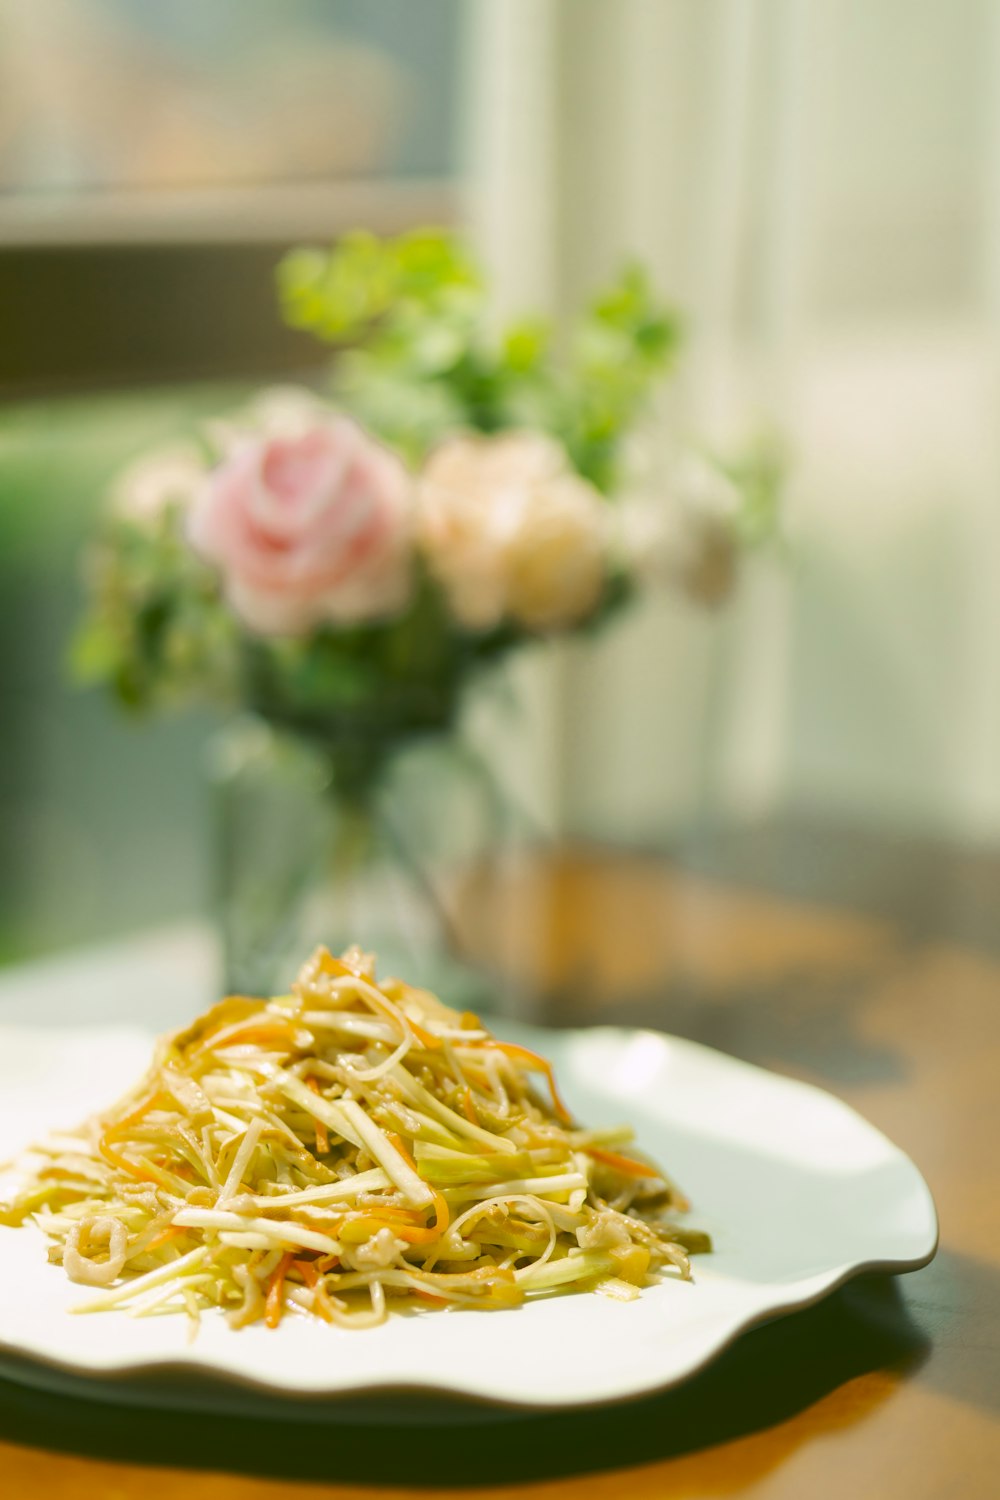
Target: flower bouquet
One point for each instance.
(341, 566)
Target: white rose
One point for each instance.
(686, 536)
(148, 487)
(556, 558)
(510, 531)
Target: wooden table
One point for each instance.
(869, 967)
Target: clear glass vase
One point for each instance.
(347, 842)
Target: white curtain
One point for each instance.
(816, 183)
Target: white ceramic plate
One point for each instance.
(798, 1192)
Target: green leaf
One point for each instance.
(424, 362)
(759, 474)
(344, 293)
(93, 652)
(525, 344)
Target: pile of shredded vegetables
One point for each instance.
(344, 1147)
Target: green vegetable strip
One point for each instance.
(415, 1091)
(378, 1145)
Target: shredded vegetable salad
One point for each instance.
(341, 1149)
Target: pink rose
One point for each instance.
(307, 525)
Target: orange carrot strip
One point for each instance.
(331, 1227)
(412, 1234)
(171, 1231)
(254, 1031)
(307, 1270)
(139, 1112)
(116, 1131)
(396, 1215)
(469, 1108)
(536, 1064)
(276, 1290)
(122, 1163)
(427, 1041)
(335, 966)
(327, 964)
(322, 1135)
(391, 1012)
(424, 1037)
(421, 1235)
(627, 1165)
(370, 1224)
(416, 1236)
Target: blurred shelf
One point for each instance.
(274, 213)
(128, 289)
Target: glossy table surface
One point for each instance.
(867, 966)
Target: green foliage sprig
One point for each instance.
(154, 631)
(422, 357)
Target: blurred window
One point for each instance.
(156, 159)
(101, 96)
